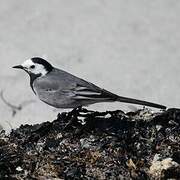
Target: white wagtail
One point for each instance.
(61, 89)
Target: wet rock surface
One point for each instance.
(85, 144)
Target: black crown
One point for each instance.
(46, 65)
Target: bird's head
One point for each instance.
(35, 66)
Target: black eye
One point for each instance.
(32, 66)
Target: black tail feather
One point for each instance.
(115, 97)
(140, 102)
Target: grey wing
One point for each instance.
(91, 92)
(80, 89)
(62, 89)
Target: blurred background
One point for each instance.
(128, 47)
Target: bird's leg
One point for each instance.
(75, 111)
(73, 117)
(78, 109)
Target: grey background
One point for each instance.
(128, 47)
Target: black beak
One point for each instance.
(18, 67)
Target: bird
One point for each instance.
(61, 89)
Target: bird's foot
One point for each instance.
(72, 117)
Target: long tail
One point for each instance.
(116, 97)
(97, 94)
(136, 101)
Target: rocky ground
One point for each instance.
(85, 144)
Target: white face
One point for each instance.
(34, 68)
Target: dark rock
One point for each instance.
(85, 144)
